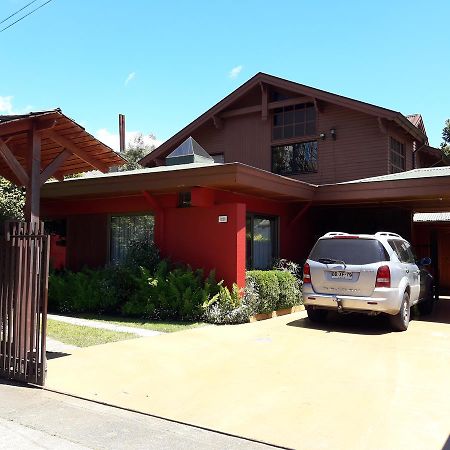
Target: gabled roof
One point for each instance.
(61, 137)
(301, 89)
(417, 121)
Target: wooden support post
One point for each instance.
(52, 168)
(264, 102)
(32, 203)
(13, 164)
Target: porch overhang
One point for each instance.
(233, 177)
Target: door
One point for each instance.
(411, 271)
(444, 259)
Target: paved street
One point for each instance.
(348, 384)
(32, 418)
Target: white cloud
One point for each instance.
(112, 139)
(235, 71)
(130, 77)
(6, 106)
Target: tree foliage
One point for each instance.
(12, 201)
(445, 145)
(135, 151)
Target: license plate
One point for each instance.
(341, 275)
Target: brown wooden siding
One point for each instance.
(360, 150)
(87, 241)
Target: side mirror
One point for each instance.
(425, 261)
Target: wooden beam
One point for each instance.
(51, 169)
(33, 192)
(13, 164)
(86, 157)
(150, 199)
(218, 122)
(382, 125)
(21, 126)
(264, 102)
(290, 101)
(240, 111)
(318, 105)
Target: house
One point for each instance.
(258, 176)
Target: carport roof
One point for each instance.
(419, 190)
(429, 172)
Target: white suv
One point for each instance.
(364, 273)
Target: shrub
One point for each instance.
(289, 290)
(142, 253)
(177, 294)
(231, 307)
(268, 288)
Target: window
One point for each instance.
(397, 156)
(295, 158)
(262, 241)
(403, 251)
(294, 121)
(218, 158)
(351, 251)
(127, 229)
(184, 199)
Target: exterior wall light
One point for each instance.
(333, 133)
(322, 136)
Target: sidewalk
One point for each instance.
(37, 419)
(105, 326)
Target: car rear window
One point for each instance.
(351, 251)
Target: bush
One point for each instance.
(268, 288)
(177, 294)
(231, 307)
(289, 290)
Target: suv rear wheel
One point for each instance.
(400, 321)
(316, 315)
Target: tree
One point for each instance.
(12, 201)
(135, 151)
(445, 145)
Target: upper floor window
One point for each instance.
(294, 121)
(397, 156)
(295, 158)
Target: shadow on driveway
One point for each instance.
(441, 313)
(347, 323)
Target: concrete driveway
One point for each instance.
(350, 384)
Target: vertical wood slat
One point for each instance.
(24, 264)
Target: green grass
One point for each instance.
(156, 325)
(83, 336)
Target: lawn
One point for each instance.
(83, 336)
(162, 326)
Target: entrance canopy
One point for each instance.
(40, 145)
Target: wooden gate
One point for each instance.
(24, 256)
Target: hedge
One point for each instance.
(277, 289)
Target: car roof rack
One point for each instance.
(335, 233)
(388, 233)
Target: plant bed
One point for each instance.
(277, 313)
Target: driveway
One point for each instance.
(350, 384)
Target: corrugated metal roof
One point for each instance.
(432, 217)
(428, 172)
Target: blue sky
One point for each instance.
(178, 57)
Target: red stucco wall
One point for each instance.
(194, 235)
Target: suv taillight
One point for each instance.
(306, 274)
(383, 277)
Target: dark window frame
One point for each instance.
(275, 237)
(397, 156)
(109, 229)
(294, 121)
(296, 170)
